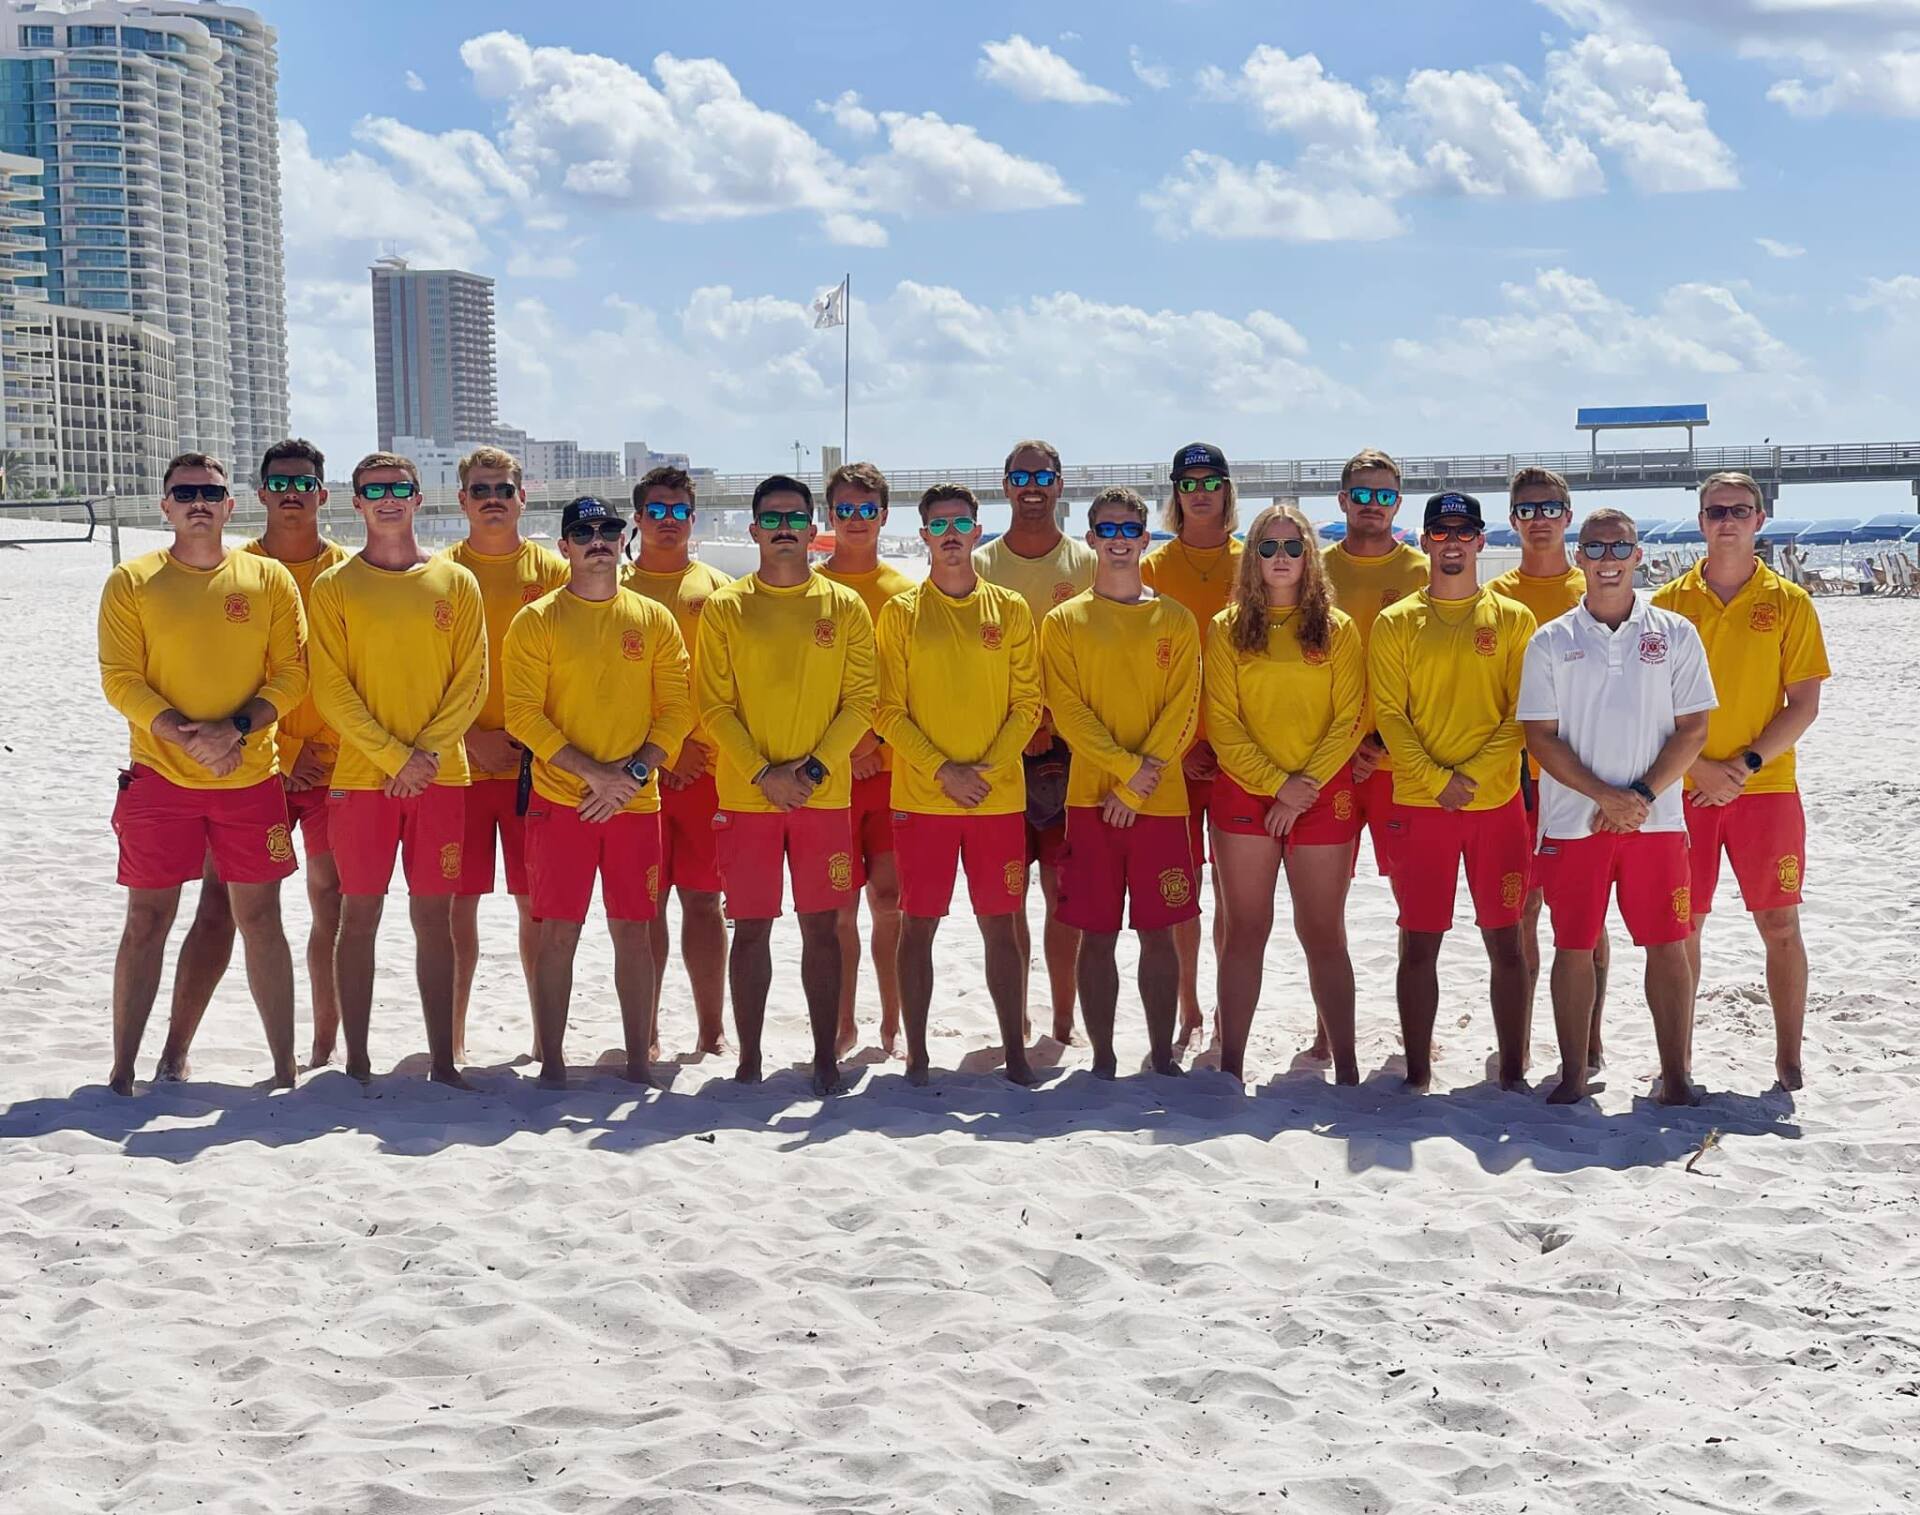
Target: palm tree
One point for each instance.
(16, 473)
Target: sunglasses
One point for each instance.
(939, 526)
(866, 510)
(291, 483)
(1544, 510)
(1271, 547)
(1039, 478)
(679, 511)
(1213, 483)
(1728, 512)
(793, 520)
(582, 532)
(404, 490)
(1595, 551)
(1453, 533)
(186, 494)
(1108, 530)
(504, 490)
(1363, 495)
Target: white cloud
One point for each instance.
(1153, 75)
(1035, 72)
(844, 230)
(935, 165)
(1898, 297)
(527, 263)
(1775, 249)
(1477, 141)
(1212, 196)
(415, 83)
(849, 114)
(1628, 97)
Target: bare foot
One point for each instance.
(1191, 1021)
(653, 1053)
(320, 1057)
(1022, 1073)
(826, 1079)
(639, 1073)
(1675, 1092)
(1235, 1071)
(1168, 1067)
(172, 1069)
(286, 1075)
(890, 1046)
(1790, 1076)
(1063, 1031)
(1318, 1052)
(451, 1076)
(712, 1046)
(1568, 1092)
(1417, 1081)
(120, 1080)
(847, 1040)
(1596, 1058)
(1346, 1071)
(919, 1075)
(1514, 1083)
(552, 1076)
(1106, 1067)
(748, 1072)
(460, 1057)
(360, 1070)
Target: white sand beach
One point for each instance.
(1155, 1295)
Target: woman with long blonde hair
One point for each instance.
(1284, 685)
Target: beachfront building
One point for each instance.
(598, 464)
(158, 127)
(113, 413)
(433, 354)
(640, 458)
(26, 341)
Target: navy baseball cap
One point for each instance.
(1200, 455)
(1453, 503)
(587, 507)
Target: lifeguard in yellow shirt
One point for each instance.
(596, 690)
(292, 491)
(511, 572)
(1122, 676)
(857, 504)
(1768, 660)
(203, 651)
(1285, 686)
(1445, 673)
(785, 688)
(959, 697)
(399, 659)
(1197, 569)
(666, 571)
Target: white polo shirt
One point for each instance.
(1617, 696)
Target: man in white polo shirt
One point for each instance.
(1614, 698)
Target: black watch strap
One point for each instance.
(1645, 790)
(1753, 760)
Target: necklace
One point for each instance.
(1205, 575)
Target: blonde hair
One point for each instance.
(1314, 624)
(1736, 480)
(1543, 477)
(1368, 457)
(489, 457)
(1116, 494)
(858, 476)
(1608, 515)
(384, 460)
(1173, 517)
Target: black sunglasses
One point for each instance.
(291, 483)
(504, 490)
(1269, 547)
(1213, 483)
(186, 494)
(680, 510)
(582, 532)
(1039, 478)
(1545, 510)
(1595, 551)
(1464, 533)
(1726, 512)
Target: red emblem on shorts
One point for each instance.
(1062, 592)
(1763, 617)
(1163, 653)
(1682, 902)
(1653, 647)
(442, 615)
(824, 632)
(1787, 870)
(1486, 641)
(450, 860)
(238, 607)
(840, 872)
(1015, 875)
(1513, 888)
(529, 593)
(279, 844)
(1343, 804)
(653, 882)
(990, 636)
(633, 646)
(1175, 887)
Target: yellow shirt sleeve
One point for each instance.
(892, 634)
(1172, 732)
(672, 693)
(1342, 738)
(287, 675)
(1024, 698)
(333, 692)
(1390, 685)
(123, 654)
(1086, 735)
(467, 689)
(526, 666)
(717, 691)
(1803, 645)
(1499, 759)
(1234, 745)
(854, 718)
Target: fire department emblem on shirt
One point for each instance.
(824, 632)
(1513, 887)
(990, 636)
(529, 593)
(238, 607)
(1763, 617)
(633, 646)
(1175, 887)
(1653, 647)
(279, 844)
(1062, 592)
(1313, 657)
(1486, 641)
(1163, 653)
(442, 615)
(1787, 870)
(1343, 804)
(1682, 902)
(450, 860)
(653, 882)
(695, 606)
(1015, 875)
(840, 871)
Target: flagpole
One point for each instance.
(846, 372)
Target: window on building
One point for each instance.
(90, 36)
(36, 36)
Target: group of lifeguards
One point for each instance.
(1122, 714)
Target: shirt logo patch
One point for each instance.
(279, 844)
(450, 860)
(238, 608)
(1572, 657)
(1653, 647)
(1787, 870)
(1015, 875)
(1763, 617)
(840, 872)
(990, 636)
(1343, 804)
(1062, 592)
(633, 646)
(442, 615)
(1176, 889)
(825, 633)
(1513, 888)
(1486, 641)
(1313, 657)
(694, 607)
(529, 593)
(1682, 902)
(1163, 653)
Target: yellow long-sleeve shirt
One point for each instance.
(783, 672)
(959, 682)
(302, 726)
(685, 593)
(1123, 683)
(1283, 710)
(1445, 678)
(1548, 597)
(1763, 639)
(1200, 578)
(399, 662)
(205, 642)
(607, 676)
(507, 582)
(1363, 587)
(1051, 579)
(875, 587)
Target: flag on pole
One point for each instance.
(830, 309)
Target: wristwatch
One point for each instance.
(814, 769)
(636, 770)
(1753, 760)
(243, 723)
(1645, 790)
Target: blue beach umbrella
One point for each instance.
(1678, 534)
(1785, 529)
(1895, 526)
(1502, 536)
(1827, 533)
(1333, 531)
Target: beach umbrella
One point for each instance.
(1408, 535)
(1895, 526)
(1827, 533)
(1912, 536)
(1785, 529)
(1678, 534)
(1333, 531)
(1503, 536)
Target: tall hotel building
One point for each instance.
(433, 361)
(157, 127)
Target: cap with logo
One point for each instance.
(1200, 455)
(586, 507)
(1453, 503)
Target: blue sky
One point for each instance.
(1294, 229)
